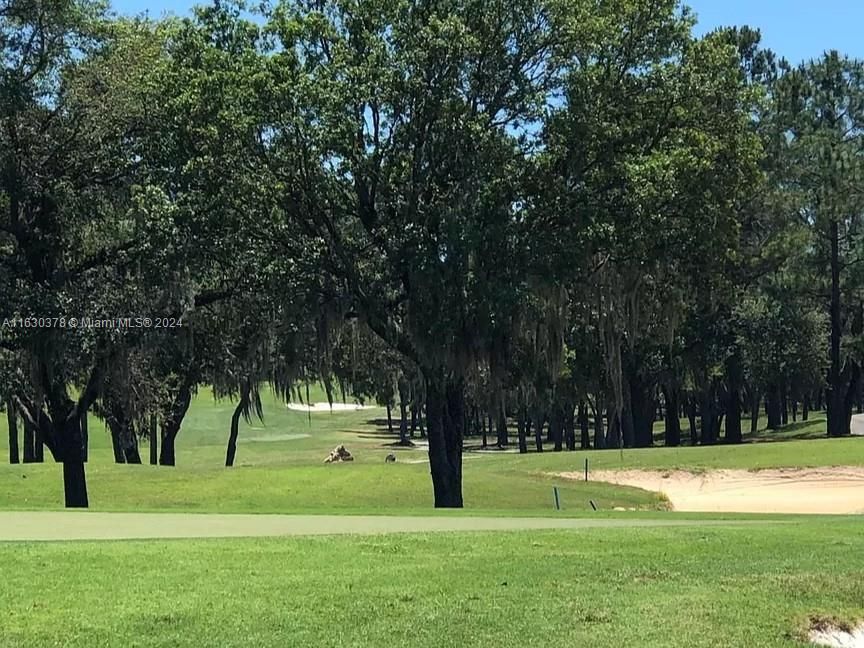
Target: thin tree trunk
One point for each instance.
(521, 426)
(85, 436)
(503, 437)
(556, 427)
(836, 393)
(691, 417)
(584, 427)
(805, 406)
(154, 454)
(389, 419)
(12, 422)
(242, 406)
(599, 432)
(708, 417)
(404, 437)
(613, 429)
(539, 417)
(672, 433)
(570, 425)
(755, 399)
(784, 405)
(421, 422)
(116, 440)
(38, 446)
(773, 407)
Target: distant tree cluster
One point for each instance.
(568, 216)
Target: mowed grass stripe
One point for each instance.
(48, 525)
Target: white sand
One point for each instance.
(327, 407)
(837, 638)
(811, 490)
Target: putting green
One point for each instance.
(85, 525)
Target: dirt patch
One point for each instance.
(826, 632)
(811, 490)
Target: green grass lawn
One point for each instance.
(753, 587)
(279, 468)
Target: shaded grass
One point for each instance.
(657, 587)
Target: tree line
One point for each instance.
(570, 215)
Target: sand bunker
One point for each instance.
(808, 490)
(327, 407)
(827, 634)
(273, 438)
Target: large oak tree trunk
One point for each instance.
(444, 423)
(30, 441)
(171, 424)
(75, 485)
(643, 408)
(68, 449)
(733, 400)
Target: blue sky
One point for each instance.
(796, 29)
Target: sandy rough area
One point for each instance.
(810, 490)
